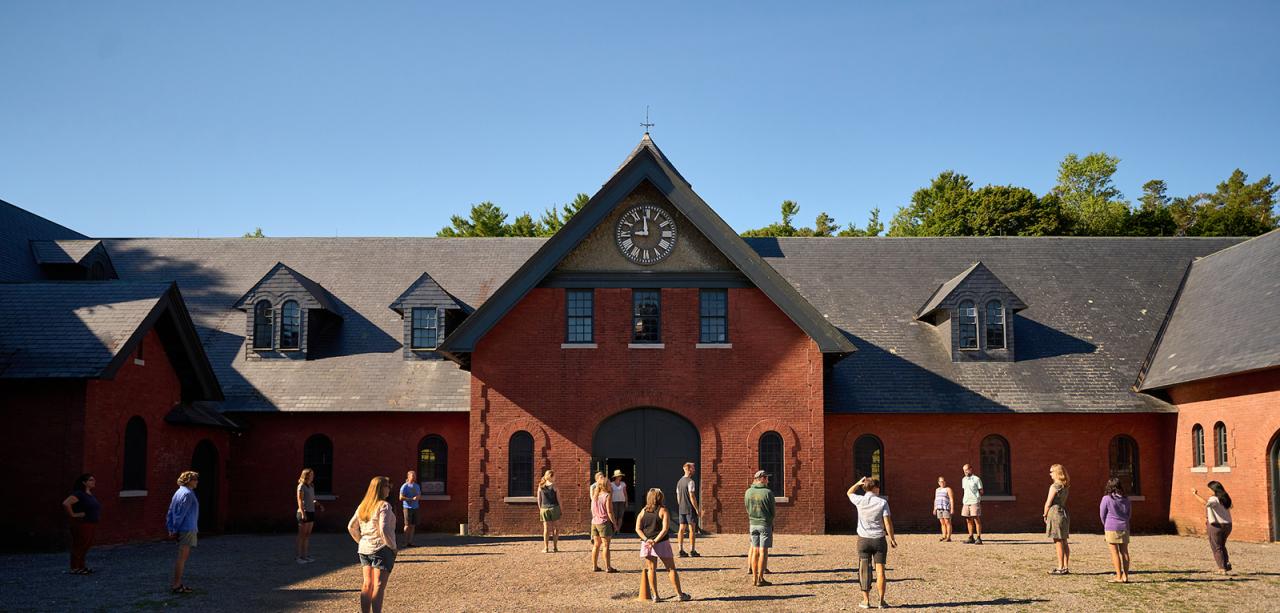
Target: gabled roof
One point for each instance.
(646, 163)
(321, 295)
(87, 329)
(425, 291)
(63, 251)
(17, 228)
(942, 296)
(1226, 320)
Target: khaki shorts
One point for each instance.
(187, 538)
(604, 530)
(971, 510)
(1117, 537)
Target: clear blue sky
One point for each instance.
(382, 119)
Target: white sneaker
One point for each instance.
(301, 560)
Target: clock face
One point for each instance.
(646, 234)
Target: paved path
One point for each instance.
(812, 573)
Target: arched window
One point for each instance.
(1124, 463)
(135, 455)
(995, 327)
(1219, 444)
(771, 459)
(433, 464)
(868, 458)
(317, 454)
(97, 271)
(263, 325)
(1197, 445)
(290, 325)
(520, 464)
(967, 321)
(997, 477)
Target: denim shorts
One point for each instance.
(689, 519)
(761, 536)
(383, 559)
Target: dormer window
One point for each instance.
(290, 316)
(974, 334)
(995, 325)
(290, 325)
(967, 321)
(263, 325)
(425, 325)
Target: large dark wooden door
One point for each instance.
(658, 442)
(205, 462)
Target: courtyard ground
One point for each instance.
(810, 573)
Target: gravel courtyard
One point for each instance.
(810, 573)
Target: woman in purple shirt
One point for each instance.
(1115, 511)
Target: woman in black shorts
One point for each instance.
(306, 514)
(374, 528)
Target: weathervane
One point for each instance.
(647, 124)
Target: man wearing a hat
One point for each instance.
(760, 507)
(619, 499)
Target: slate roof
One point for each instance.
(62, 251)
(17, 228)
(1096, 305)
(944, 291)
(318, 292)
(1227, 319)
(363, 275)
(70, 329)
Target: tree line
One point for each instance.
(1084, 202)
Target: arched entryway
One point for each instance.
(651, 446)
(205, 462)
(1274, 457)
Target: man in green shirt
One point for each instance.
(760, 509)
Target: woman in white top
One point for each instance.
(374, 528)
(619, 498)
(1217, 511)
(305, 495)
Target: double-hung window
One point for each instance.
(581, 316)
(424, 328)
(713, 309)
(646, 316)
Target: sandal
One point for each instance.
(181, 589)
(79, 571)
(611, 570)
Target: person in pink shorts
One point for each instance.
(653, 526)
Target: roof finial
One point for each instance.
(647, 124)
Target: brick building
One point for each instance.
(644, 334)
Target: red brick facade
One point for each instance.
(1249, 406)
(770, 379)
(269, 457)
(918, 448)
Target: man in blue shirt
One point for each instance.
(182, 522)
(410, 493)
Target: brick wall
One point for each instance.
(41, 429)
(918, 448)
(268, 458)
(1249, 406)
(771, 379)
(149, 391)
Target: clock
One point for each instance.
(646, 234)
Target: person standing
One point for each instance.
(306, 498)
(875, 537)
(687, 501)
(373, 527)
(601, 523)
(182, 522)
(1056, 520)
(549, 512)
(618, 489)
(1115, 512)
(653, 526)
(760, 511)
(971, 485)
(83, 508)
(410, 495)
(943, 501)
(1217, 523)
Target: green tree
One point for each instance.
(522, 226)
(1237, 208)
(257, 233)
(1005, 210)
(486, 219)
(783, 228)
(1154, 216)
(942, 209)
(1092, 202)
(874, 227)
(825, 225)
(553, 218)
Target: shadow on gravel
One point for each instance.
(761, 597)
(972, 603)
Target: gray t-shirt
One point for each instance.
(684, 491)
(872, 510)
(971, 485)
(308, 497)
